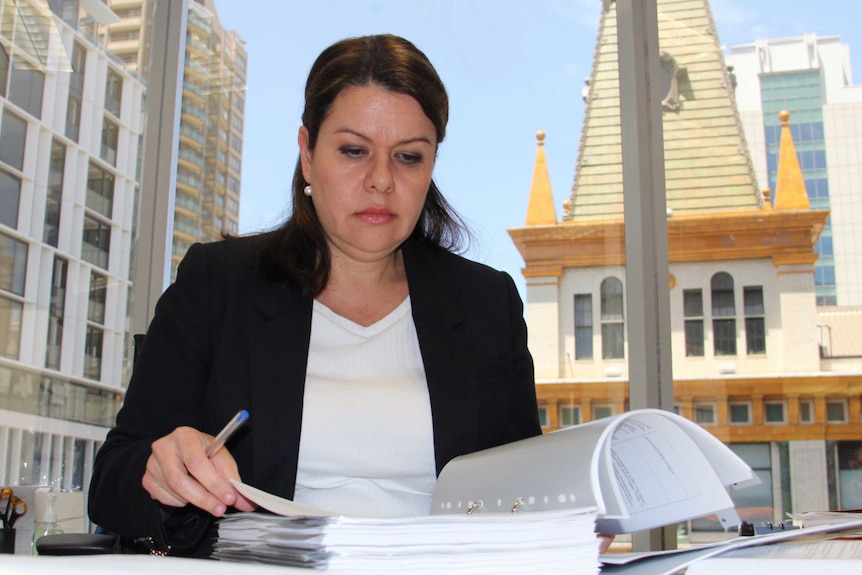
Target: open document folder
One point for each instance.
(641, 469)
(532, 504)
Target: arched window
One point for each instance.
(613, 324)
(723, 314)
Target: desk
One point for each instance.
(135, 565)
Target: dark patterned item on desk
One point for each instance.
(7, 540)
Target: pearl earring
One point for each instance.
(307, 190)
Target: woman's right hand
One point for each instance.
(179, 473)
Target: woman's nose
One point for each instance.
(380, 175)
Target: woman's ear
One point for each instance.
(304, 153)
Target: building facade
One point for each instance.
(746, 355)
(72, 116)
(69, 144)
(811, 77)
(209, 167)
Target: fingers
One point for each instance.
(179, 473)
(605, 542)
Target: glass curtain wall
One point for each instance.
(746, 269)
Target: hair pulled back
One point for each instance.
(298, 249)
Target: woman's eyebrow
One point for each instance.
(346, 130)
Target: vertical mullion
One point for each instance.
(151, 273)
(647, 262)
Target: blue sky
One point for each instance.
(511, 68)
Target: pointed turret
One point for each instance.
(790, 193)
(707, 164)
(540, 209)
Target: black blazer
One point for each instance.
(223, 339)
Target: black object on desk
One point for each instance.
(7, 540)
(77, 544)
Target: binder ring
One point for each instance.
(517, 504)
(474, 506)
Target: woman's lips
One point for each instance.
(375, 215)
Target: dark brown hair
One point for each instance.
(298, 250)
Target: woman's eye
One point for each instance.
(352, 152)
(411, 158)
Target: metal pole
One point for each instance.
(155, 226)
(647, 266)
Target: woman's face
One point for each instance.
(370, 170)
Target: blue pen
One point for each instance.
(228, 430)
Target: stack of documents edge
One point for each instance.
(560, 541)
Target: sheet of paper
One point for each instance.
(279, 505)
(658, 475)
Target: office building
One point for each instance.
(209, 165)
(747, 357)
(69, 146)
(810, 76)
(71, 132)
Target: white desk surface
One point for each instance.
(133, 565)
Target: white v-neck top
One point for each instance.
(367, 443)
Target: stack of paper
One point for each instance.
(557, 541)
(815, 518)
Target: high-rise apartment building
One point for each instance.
(810, 77)
(70, 131)
(209, 162)
(72, 117)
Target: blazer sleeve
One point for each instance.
(523, 418)
(166, 391)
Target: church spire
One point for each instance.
(790, 191)
(708, 168)
(540, 209)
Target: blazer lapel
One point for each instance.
(448, 366)
(278, 356)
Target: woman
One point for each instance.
(366, 352)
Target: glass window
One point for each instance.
(755, 503)
(51, 232)
(569, 415)
(773, 412)
(602, 411)
(755, 322)
(13, 264)
(13, 139)
(10, 327)
(97, 242)
(76, 91)
(723, 312)
(110, 137)
(704, 413)
(4, 69)
(583, 326)
(806, 411)
(543, 416)
(10, 196)
(836, 411)
(98, 292)
(613, 328)
(693, 311)
(849, 474)
(67, 10)
(56, 313)
(113, 92)
(740, 412)
(100, 190)
(26, 86)
(93, 352)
